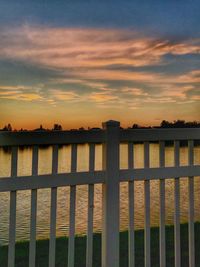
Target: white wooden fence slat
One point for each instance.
(147, 209)
(131, 225)
(177, 244)
(191, 206)
(131, 239)
(89, 249)
(33, 219)
(73, 158)
(71, 241)
(162, 208)
(52, 241)
(91, 157)
(12, 219)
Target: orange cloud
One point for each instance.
(134, 91)
(20, 96)
(63, 95)
(104, 74)
(102, 97)
(190, 77)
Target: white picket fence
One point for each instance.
(110, 177)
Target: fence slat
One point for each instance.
(71, 241)
(52, 241)
(72, 226)
(89, 252)
(12, 219)
(92, 157)
(147, 209)
(162, 208)
(131, 210)
(89, 249)
(73, 158)
(32, 244)
(191, 206)
(131, 225)
(177, 207)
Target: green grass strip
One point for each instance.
(22, 249)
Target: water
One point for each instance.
(43, 215)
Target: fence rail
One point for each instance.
(31, 138)
(110, 177)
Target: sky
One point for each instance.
(79, 63)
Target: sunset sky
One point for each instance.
(79, 63)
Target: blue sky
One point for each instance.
(163, 17)
(79, 63)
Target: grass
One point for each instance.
(22, 249)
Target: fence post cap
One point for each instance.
(111, 123)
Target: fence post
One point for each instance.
(110, 195)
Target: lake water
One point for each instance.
(43, 214)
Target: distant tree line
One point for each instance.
(56, 127)
(180, 124)
(174, 124)
(163, 124)
(7, 127)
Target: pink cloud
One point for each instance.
(70, 47)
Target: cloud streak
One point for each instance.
(88, 48)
